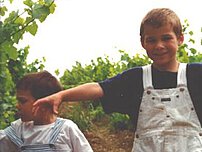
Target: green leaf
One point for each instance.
(28, 20)
(10, 50)
(48, 2)
(3, 58)
(5, 34)
(193, 51)
(29, 11)
(40, 12)
(192, 40)
(12, 16)
(36, 11)
(3, 10)
(191, 33)
(28, 3)
(57, 72)
(52, 8)
(26, 50)
(18, 36)
(32, 29)
(11, 1)
(19, 20)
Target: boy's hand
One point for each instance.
(52, 100)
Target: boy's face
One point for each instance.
(161, 44)
(24, 105)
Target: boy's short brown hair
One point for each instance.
(40, 84)
(159, 17)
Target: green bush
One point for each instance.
(120, 121)
(80, 114)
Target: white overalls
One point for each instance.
(50, 146)
(167, 120)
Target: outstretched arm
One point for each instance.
(88, 91)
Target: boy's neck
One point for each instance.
(171, 67)
(45, 120)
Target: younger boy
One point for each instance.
(164, 99)
(45, 131)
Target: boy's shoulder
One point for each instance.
(67, 122)
(199, 65)
(194, 67)
(18, 123)
(134, 71)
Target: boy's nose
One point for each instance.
(159, 45)
(18, 106)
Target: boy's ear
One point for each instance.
(180, 39)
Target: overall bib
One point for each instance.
(50, 146)
(167, 120)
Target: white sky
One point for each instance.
(81, 30)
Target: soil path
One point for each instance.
(103, 139)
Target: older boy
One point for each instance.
(45, 131)
(164, 99)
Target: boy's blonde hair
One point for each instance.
(159, 17)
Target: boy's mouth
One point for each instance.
(160, 54)
(17, 115)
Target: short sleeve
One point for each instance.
(123, 92)
(5, 144)
(79, 143)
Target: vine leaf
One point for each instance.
(32, 29)
(10, 50)
(40, 12)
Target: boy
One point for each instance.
(164, 99)
(45, 131)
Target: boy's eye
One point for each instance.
(166, 38)
(150, 40)
(22, 101)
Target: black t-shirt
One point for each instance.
(123, 93)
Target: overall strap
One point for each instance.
(46, 147)
(147, 77)
(11, 133)
(38, 148)
(181, 76)
(56, 130)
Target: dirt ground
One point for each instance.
(103, 139)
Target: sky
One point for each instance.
(82, 30)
